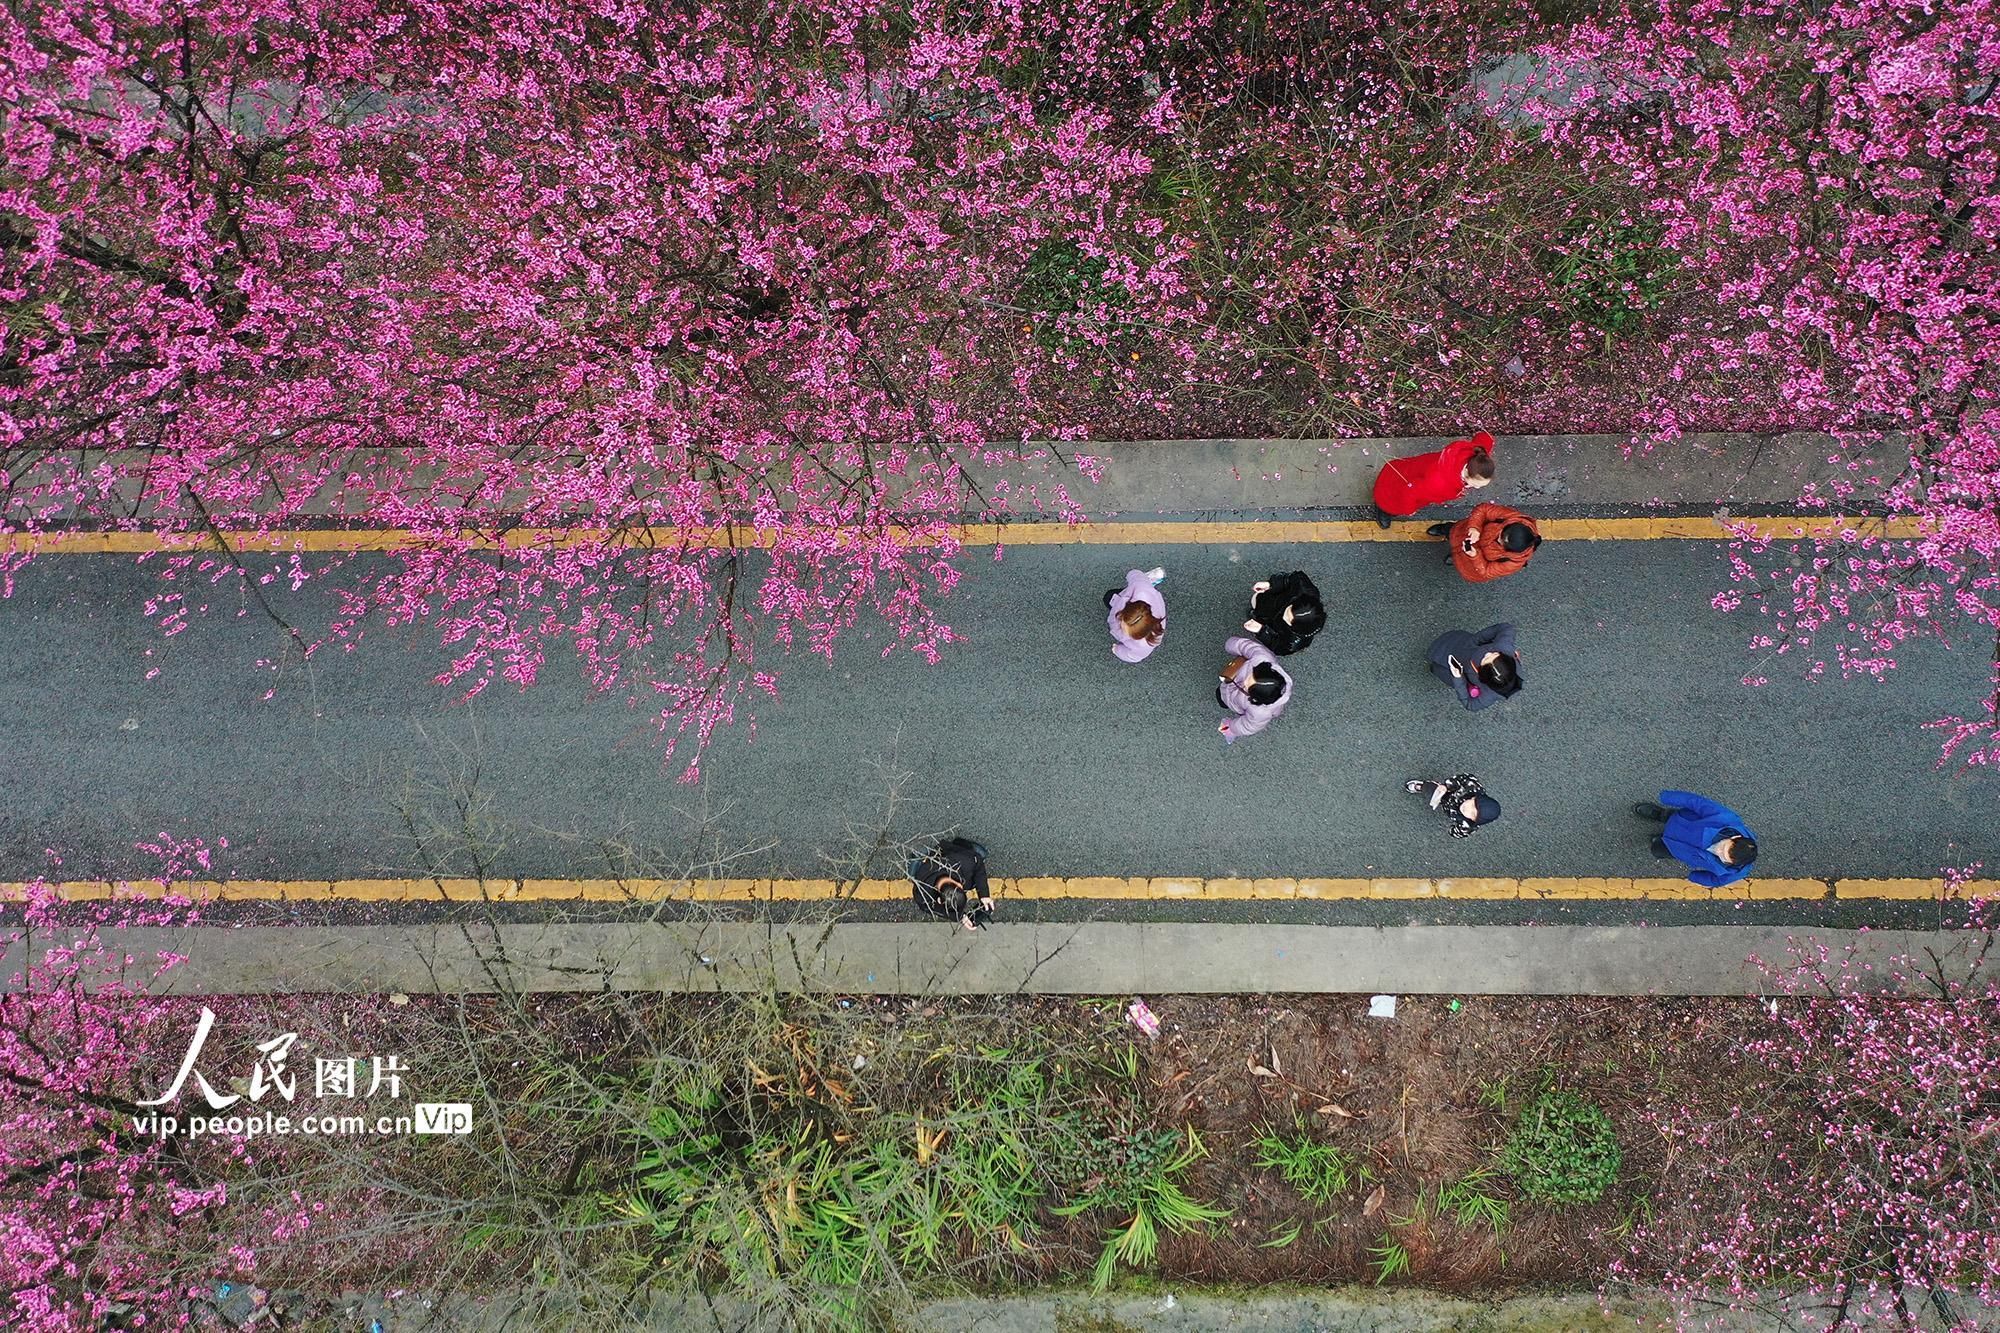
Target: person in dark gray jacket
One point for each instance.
(1481, 669)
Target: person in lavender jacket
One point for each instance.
(1254, 687)
(1138, 616)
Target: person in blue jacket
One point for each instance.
(1711, 840)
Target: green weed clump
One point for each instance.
(818, 1184)
(1392, 1260)
(1317, 1171)
(1563, 1150)
(1610, 272)
(794, 1192)
(1470, 1201)
(1137, 1171)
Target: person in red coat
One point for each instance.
(1405, 485)
(1491, 542)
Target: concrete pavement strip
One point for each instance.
(1043, 958)
(1095, 888)
(1173, 1308)
(1366, 1310)
(1545, 474)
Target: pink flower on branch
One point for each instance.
(1858, 1174)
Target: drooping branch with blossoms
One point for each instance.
(87, 1202)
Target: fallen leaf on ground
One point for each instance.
(1257, 1069)
(1337, 1110)
(1374, 1204)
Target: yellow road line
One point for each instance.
(1245, 532)
(1084, 889)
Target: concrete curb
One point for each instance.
(1359, 1310)
(1544, 474)
(1172, 1308)
(1556, 475)
(1043, 958)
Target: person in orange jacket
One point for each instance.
(1405, 485)
(1491, 542)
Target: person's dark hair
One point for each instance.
(1484, 809)
(1265, 684)
(1740, 850)
(1138, 620)
(1519, 537)
(1479, 467)
(1308, 614)
(942, 893)
(1500, 673)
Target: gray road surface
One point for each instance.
(1064, 760)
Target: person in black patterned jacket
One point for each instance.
(1460, 797)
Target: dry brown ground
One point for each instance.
(1420, 1094)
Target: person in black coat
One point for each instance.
(1286, 613)
(1481, 669)
(948, 882)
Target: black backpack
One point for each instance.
(941, 880)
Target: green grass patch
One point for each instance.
(1070, 297)
(1138, 1173)
(1317, 1171)
(1611, 271)
(1563, 1150)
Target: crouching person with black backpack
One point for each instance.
(950, 883)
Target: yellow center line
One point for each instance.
(1160, 533)
(1082, 889)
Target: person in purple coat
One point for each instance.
(1138, 616)
(1254, 688)
(1711, 840)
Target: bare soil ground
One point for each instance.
(1424, 1098)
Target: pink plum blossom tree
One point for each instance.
(1826, 178)
(88, 1200)
(1859, 1172)
(671, 332)
(661, 332)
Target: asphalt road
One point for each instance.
(1031, 736)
